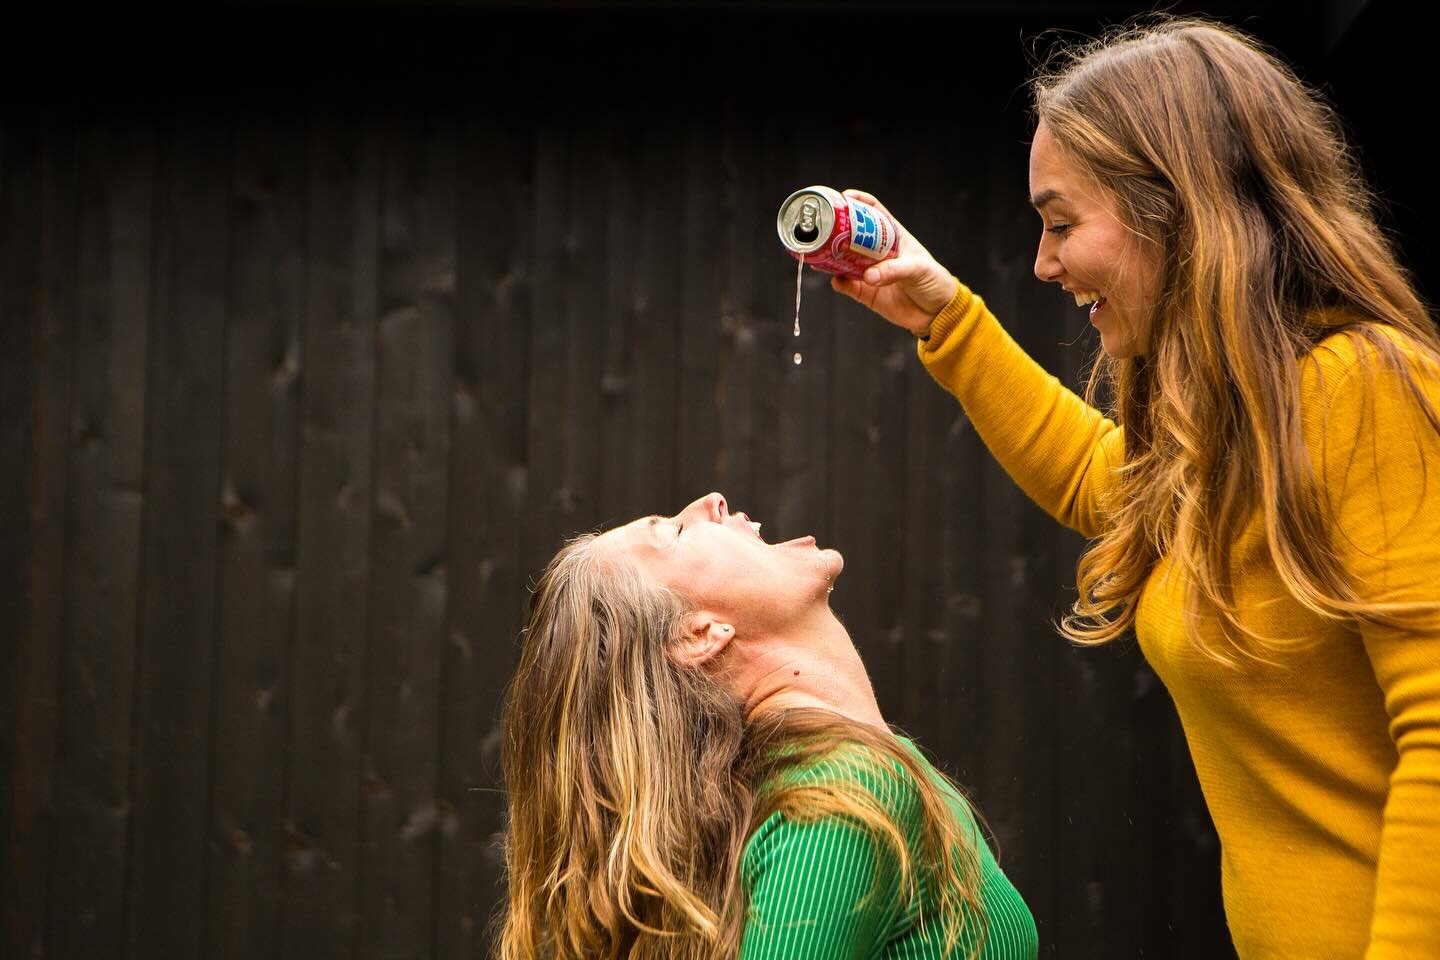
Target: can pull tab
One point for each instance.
(805, 229)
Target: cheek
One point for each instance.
(680, 573)
(1142, 269)
(721, 578)
(1086, 263)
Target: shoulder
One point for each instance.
(1370, 414)
(847, 776)
(860, 772)
(1364, 351)
(1367, 376)
(856, 774)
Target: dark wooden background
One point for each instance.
(323, 324)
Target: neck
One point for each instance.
(814, 665)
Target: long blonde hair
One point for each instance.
(1219, 156)
(633, 784)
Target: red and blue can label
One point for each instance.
(835, 233)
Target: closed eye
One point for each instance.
(1059, 229)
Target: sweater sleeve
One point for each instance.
(1379, 458)
(816, 890)
(1061, 451)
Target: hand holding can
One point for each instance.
(908, 289)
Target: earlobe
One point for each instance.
(703, 640)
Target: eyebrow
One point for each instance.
(1044, 197)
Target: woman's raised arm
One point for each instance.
(1060, 450)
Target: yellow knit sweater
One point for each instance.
(1322, 771)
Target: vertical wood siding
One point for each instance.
(301, 391)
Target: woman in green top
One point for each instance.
(696, 767)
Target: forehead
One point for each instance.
(643, 545)
(1058, 183)
(636, 537)
(1054, 178)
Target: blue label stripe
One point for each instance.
(864, 227)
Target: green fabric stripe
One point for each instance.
(814, 891)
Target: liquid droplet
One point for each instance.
(797, 358)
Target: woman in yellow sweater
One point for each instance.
(1263, 493)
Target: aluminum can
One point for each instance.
(835, 233)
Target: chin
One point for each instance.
(1118, 348)
(834, 562)
(1122, 340)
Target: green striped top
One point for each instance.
(813, 890)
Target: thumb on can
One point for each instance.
(864, 197)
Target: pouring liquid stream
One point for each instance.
(799, 272)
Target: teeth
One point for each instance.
(1086, 298)
(755, 525)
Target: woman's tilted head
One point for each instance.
(734, 582)
(633, 776)
(1240, 234)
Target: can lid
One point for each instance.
(806, 220)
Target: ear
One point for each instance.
(701, 640)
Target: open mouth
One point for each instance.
(1091, 298)
(754, 525)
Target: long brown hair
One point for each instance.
(1239, 175)
(633, 784)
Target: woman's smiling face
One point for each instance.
(1087, 249)
(718, 560)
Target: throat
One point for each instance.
(802, 677)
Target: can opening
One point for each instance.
(806, 219)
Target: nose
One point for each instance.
(712, 507)
(1047, 265)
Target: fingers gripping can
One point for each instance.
(835, 233)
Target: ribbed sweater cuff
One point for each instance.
(947, 320)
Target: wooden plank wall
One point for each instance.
(301, 388)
